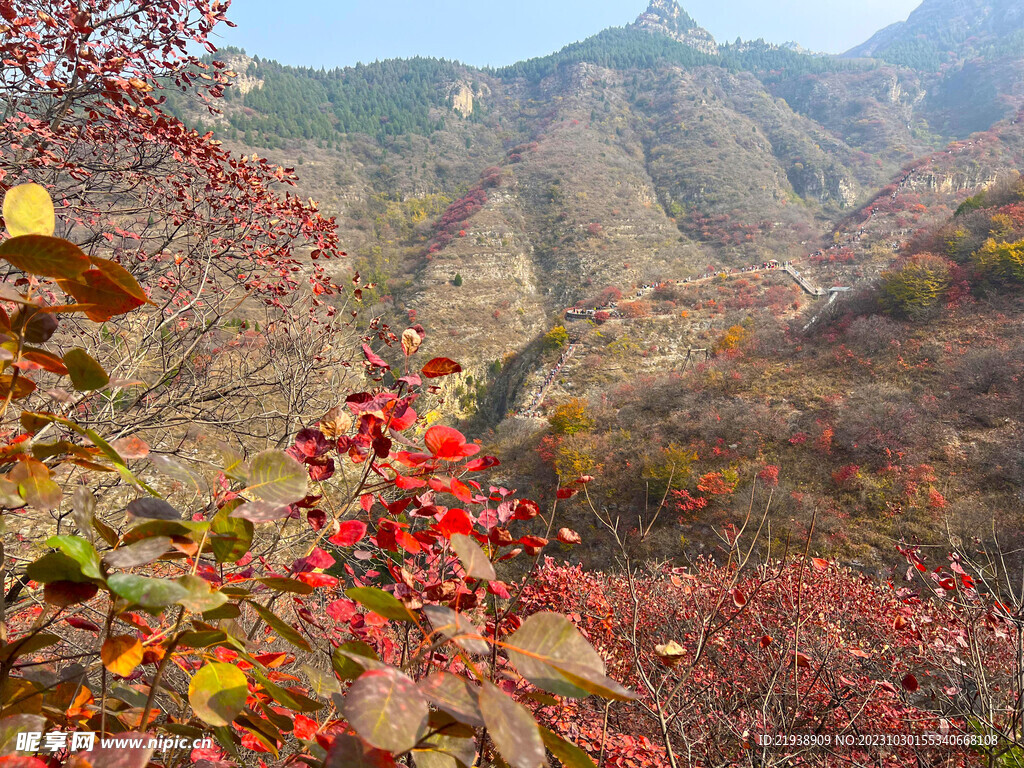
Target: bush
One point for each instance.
(571, 418)
(1001, 262)
(172, 602)
(731, 339)
(635, 309)
(916, 286)
(556, 338)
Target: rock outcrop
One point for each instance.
(666, 17)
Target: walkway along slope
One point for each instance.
(532, 409)
(643, 290)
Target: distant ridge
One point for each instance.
(950, 30)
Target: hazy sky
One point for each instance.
(496, 32)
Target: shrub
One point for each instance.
(731, 339)
(1001, 262)
(635, 309)
(915, 286)
(556, 338)
(571, 418)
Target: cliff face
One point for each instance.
(243, 81)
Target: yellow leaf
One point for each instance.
(121, 654)
(28, 210)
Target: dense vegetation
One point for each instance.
(400, 96)
(383, 99)
(631, 48)
(980, 251)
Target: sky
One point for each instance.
(338, 33)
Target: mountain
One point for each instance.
(482, 203)
(666, 17)
(943, 32)
(970, 55)
(486, 201)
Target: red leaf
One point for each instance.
(21, 761)
(738, 598)
(819, 564)
(374, 359)
(408, 483)
(455, 521)
(318, 558)
(341, 610)
(350, 533)
(402, 416)
(408, 543)
(317, 579)
(533, 541)
(311, 443)
(439, 485)
(79, 623)
(461, 491)
(440, 366)
(407, 459)
(566, 493)
(448, 444)
(909, 683)
(484, 462)
(526, 509)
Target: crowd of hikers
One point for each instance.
(532, 411)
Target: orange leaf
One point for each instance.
(121, 654)
(568, 536)
(440, 366)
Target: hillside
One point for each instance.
(483, 203)
(970, 53)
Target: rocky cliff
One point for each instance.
(666, 17)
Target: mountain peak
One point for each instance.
(667, 17)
